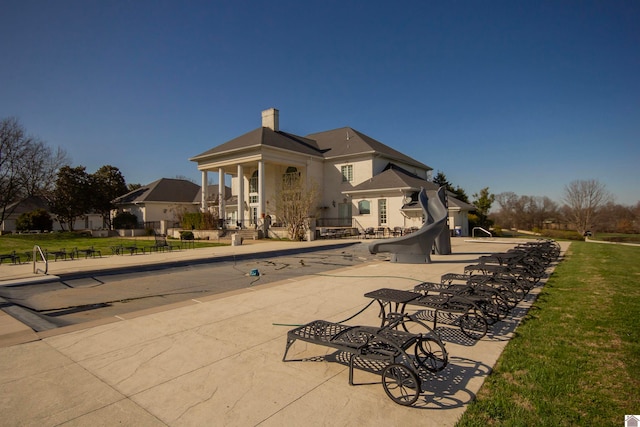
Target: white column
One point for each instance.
(203, 201)
(221, 192)
(241, 194)
(260, 189)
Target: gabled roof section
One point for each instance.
(463, 206)
(394, 177)
(29, 204)
(263, 136)
(162, 190)
(347, 141)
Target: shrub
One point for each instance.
(125, 220)
(35, 220)
(199, 220)
(186, 235)
(562, 234)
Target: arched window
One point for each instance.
(290, 176)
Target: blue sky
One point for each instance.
(521, 96)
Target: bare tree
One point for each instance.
(506, 217)
(584, 200)
(616, 218)
(27, 165)
(524, 212)
(41, 165)
(295, 203)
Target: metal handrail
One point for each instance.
(473, 232)
(37, 250)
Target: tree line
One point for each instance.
(30, 168)
(587, 206)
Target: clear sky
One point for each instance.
(521, 96)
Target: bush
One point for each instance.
(562, 234)
(125, 220)
(39, 220)
(199, 221)
(186, 235)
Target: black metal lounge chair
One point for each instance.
(401, 358)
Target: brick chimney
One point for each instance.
(270, 119)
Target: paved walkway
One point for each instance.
(217, 360)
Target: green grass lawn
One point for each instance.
(575, 359)
(55, 241)
(617, 237)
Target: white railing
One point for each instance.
(38, 251)
(473, 232)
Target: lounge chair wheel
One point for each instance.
(473, 325)
(431, 354)
(401, 384)
(491, 310)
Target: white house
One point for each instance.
(90, 221)
(364, 183)
(164, 200)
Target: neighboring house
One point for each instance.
(165, 199)
(363, 182)
(30, 204)
(162, 200)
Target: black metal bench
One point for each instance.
(62, 253)
(161, 244)
(15, 258)
(89, 252)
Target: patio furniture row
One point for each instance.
(407, 348)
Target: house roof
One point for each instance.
(347, 141)
(331, 144)
(395, 177)
(162, 190)
(29, 204)
(263, 136)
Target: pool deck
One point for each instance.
(217, 360)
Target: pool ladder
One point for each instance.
(37, 250)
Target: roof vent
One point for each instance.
(271, 119)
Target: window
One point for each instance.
(347, 173)
(253, 182)
(290, 177)
(364, 207)
(382, 211)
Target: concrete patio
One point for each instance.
(217, 360)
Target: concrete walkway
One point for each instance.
(217, 360)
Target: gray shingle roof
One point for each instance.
(27, 205)
(267, 137)
(395, 177)
(162, 190)
(330, 144)
(347, 141)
